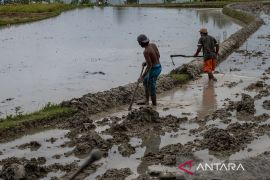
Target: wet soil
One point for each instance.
(115, 174)
(14, 168)
(33, 145)
(266, 104)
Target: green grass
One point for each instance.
(47, 112)
(180, 77)
(36, 8)
(208, 4)
(33, 12)
(17, 20)
(239, 15)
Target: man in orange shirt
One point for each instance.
(210, 50)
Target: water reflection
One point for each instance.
(151, 141)
(217, 18)
(209, 102)
(119, 14)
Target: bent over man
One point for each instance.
(153, 68)
(210, 50)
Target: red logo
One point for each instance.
(182, 167)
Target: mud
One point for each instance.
(168, 155)
(266, 104)
(219, 140)
(256, 86)
(246, 105)
(115, 174)
(103, 101)
(86, 142)
(261, 94)
(33, 145)
(14, 168)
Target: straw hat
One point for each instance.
(203, 30)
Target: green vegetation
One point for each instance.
(197, 4)
(180, 77)
(35, 8)
(47, 112)
(20, 13)
(244, 17)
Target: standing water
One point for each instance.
(94, 49)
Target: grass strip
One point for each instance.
(47, 112)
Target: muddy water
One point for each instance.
(90, 50)
(48, 147)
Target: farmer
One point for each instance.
(210, 48)
(153, 68)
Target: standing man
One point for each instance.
(210, 48)
(153, 68)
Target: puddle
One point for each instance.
(47, 149)
(162, 168)
(181, 136)
(205, 156)
(53, 174)
(256, 147)
(134, 142)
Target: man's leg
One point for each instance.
(153, 82)
(209, 76)
(146, 89)
(209, 67)
(213, 69)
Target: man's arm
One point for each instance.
(156, 49)
(217, 48)
(198, 50)
(148, 63)
(200, 44)
(216, 45)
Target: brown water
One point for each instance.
(56, 59)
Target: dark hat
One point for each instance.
(142, 39)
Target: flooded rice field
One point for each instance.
(202, 121)
(93, 49)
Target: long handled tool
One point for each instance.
(180, 55)
(133, 96)
(95, 155)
